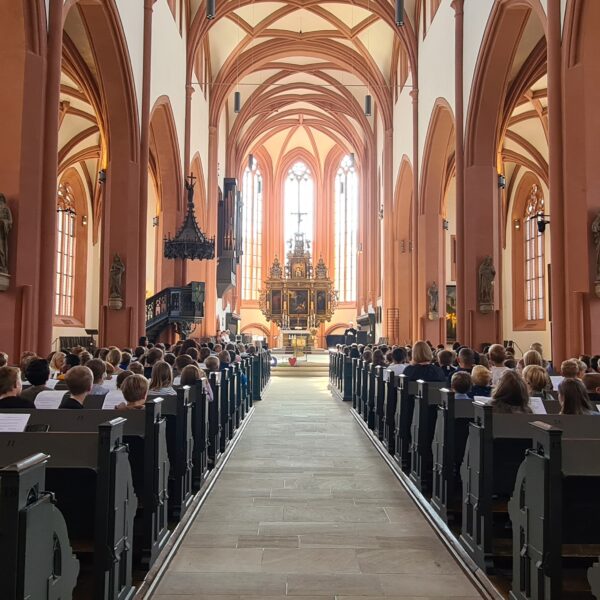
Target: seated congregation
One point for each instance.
(102, 455)
(500, 451)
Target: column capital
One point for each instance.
(414, 94)
(458, 6)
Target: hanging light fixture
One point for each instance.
(211, 9)
(237, 102)
(368, 105)
(352, 159)
(250, 161)
(399, 12)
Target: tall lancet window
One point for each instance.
(252, 187)
(534, 258)
(65, 252)
(298, 206)
(346, 230)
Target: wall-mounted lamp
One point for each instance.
(517, 224)
(237, 102)
(542, 221)
(352, 159)
(381, 213)
(211, 9)
(446, 224)
(155, 221)
(359, 248)
(102, 176)
(399, 12)
(84, 220)
(250, 161)
(368, 105)
(501, 181)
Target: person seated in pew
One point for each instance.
(460, 384)
(224, 360)
(79, 382)
(205, 353)
(3, 359)
(421, 366)
(193, 354)
(481, 379)
(531, 357)
(583, 368)
(37, 374)
(181, 362)
(11, 387)
(189, 375)
(212, 364)
(71, 361)
(98, 369)
(398, 364)
(574, 399)
(170, 358)
(497, 356)
(595, 363)
(511, 395)
(592, 385)
(538, 382)
(161, 382)
(136, 368)
(378, 358)
(122, 376)
(153, 356)
(138, 353)
(569, 369)
(466, 359)
(445, 360)
(125, 360)
(510, 363)
(135, 392)
(57, 362)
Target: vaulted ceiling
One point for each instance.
(303, 69)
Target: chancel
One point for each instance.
(299, 299)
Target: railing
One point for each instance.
(176, 305)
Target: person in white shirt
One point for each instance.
(497, 356)
(398, 365)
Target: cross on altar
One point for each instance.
(300, 215)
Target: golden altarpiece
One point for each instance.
(298, 297)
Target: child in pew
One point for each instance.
(136, 368)
(38, 373)
(460, 384)
(98, 368)
(135, 392)
(121, 377)
(511, 395)
(79, 382)
(481, 379)
(574, 399)
(538, 381)
(212, 364)
(592, 385)
(497, 356)
(162, 379)
(10, 389)
(445, 359)
(189, 375)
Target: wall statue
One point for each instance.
(6, 223)
(434, 300)
(596, 239)
(487, 274)
(115, 297)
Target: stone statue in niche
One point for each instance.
(115, 298)
(596, 238)
(434, 302)
(6, 223)
(487, 274)
(321, 270)
(276, 270)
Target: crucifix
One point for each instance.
(299, 215)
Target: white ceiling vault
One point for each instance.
(303, 69)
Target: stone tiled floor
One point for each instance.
(306, 508)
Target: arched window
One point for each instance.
(65, 252)
(252, 223)
(346, 230)
(298, 202)
(534, 257)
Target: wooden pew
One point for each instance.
(144, 431)
(554, 508)
(356, 383)
(405, 404)
(448, 449)
(346, 390)
(427, 400)
(389, 411)
(364, 391)
(215, 426)
(257, 377)
(226, 425)
(200, 428)
(495, 449)
(370, 403)
(379, 402)
(180, 447)
(99, 510)
(36, 558)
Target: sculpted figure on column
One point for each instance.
(434, 296)
(6, 222)
(596, 238)
(115, 298)
(487, 274)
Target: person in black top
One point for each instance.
(10, 389)
(466, 359)
(421, 366)
(445, 359)
(592, 385)
(79, 382)
(350, 335)
(37, 373)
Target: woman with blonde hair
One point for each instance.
(481, 379)
(421, 366)
(114, 358)
(162, 379)
(57, 362)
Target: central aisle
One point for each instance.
(307, 508)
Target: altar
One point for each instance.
(298, 297)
